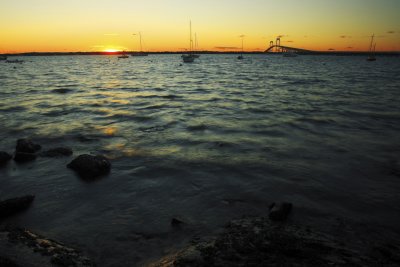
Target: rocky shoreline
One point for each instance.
(21, 247)
(249, 241)
(259, 241)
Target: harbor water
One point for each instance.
(205, 142)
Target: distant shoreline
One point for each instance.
(333, 53)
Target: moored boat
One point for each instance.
(14, 61)
(140, 53)
(189, 57)
(123, 55)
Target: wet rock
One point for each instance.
(4, 157)
(176, 222)
(88, 166)
(24, 157)
(259, 242)
(14, 205)
(280, 211)
(27, 146)
(24, 248)
(57, 152)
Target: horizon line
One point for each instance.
(185, 51)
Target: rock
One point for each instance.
(23, 248)
(14, 205)
(259, 242)
(176, 222)
(24, 157)
(88, 166)
(280, 211)
(27, 146)
(4, 157)
(57, 152)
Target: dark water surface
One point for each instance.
(204, 142)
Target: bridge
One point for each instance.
(278, 48)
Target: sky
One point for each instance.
(106, 25)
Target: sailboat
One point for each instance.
(372, 46)
(140, 53)
(241, 54)
(189, 57)
(196, 46)
(123, 55)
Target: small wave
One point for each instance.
(197, 127)
(12, 109)
(62, 90)
(258, 110)
(271, 133)
(156, 106)
(170, 96)
(61, 112)
(158, 128)
(220, 144)
(56, 113)
(304, 81)
(125, 117)
(67, 85)
(315, 120)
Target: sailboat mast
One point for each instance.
(140, 38)
(190, 41)
(195, 41)
(372, 41)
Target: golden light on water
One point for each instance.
(110, 131)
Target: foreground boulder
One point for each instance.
(20, 247)
(57, 152)
(27, 146)
(4, 157)
(89, 167)
(14, 205)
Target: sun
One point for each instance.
(111, 50)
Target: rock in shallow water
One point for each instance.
(14, 205)
(27, 146)
(89, 167)
(4, 157)
(176, 222)
(280, 211)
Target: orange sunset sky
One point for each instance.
(105, 25)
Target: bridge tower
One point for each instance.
(278, 43)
